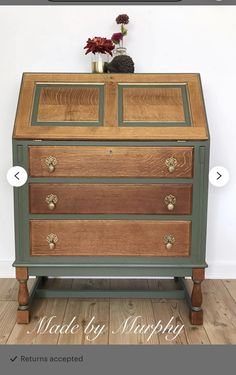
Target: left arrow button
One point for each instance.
(17, 176)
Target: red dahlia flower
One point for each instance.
(99, 45)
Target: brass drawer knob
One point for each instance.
(170, 202)
(51, 200)
(52, 240)
(51, 162)
(169, 241)
(171, 164)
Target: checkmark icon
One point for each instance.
(13, 359)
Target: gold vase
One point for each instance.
(98, 62)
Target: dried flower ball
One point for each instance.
(122, 19)
(121, 64)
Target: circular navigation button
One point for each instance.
(17, 176)
(219, 176)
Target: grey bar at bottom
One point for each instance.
(118, 359)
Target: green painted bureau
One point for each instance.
(117, 182)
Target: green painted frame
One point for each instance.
(38, 290)
(114, 266)
(37, 92)
(186, 106)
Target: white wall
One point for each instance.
(161, 39)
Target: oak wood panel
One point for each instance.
(110, 237)
(57, 103)
(93, 161)
(153, 104)
(110, 198)
(24, 130)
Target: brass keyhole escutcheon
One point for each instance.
(52, 240)
(169, 241)
(51, 163)
(171, 164)
(170, 202)
(51, 200)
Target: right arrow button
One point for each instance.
(219, 176)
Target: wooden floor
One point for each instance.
(219, 314)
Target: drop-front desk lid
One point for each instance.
(111, 106)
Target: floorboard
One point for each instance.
(219, 304)
(90, 320)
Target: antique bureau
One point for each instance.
(117, 182)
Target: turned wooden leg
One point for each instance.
(196, 312)
(23, 314)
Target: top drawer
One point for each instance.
(101, 161)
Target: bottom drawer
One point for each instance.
(109, 238)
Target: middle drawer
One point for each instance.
(110, 199)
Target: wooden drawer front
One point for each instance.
(109, 237)
(96, 161)
(110, 198)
